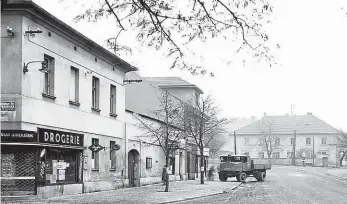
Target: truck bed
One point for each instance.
(262, 166)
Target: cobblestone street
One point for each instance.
(292, 185)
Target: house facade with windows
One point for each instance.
(142, 101)
(62, 107)
(303, 137)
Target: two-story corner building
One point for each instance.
(142, 100)
(311, 139)
(62, 98)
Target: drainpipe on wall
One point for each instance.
(125, 153)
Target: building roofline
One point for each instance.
(35, 9)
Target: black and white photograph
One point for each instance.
(173, 101)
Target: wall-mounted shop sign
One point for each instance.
(95, 147)
(59, 137)
(18, 136)
(8, 106)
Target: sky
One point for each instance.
(311, 71)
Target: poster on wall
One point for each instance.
(7, 168)
(61, 174)
(85, 163)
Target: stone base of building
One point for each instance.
(105, 185)
(59, 190)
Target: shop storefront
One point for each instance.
(18, 158)
(40, 163)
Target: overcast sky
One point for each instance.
(312, 63)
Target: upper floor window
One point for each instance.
(308, 140)
(324, 140)
(292, 141)
(247, 141)
(95, 92)
(113, 99)
(74, 84)
(276, 155)
(261, 155)
(49, 76)
(277, 141)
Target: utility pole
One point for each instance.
(294, 143)
(235, 141)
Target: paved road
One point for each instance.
(286, 185)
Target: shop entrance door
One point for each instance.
(133, 168)
(325, 161)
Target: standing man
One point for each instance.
(164, 174)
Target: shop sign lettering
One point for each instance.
(8, 106)
(18, 136)
(59, 137)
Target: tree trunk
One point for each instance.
(202, 173)
(342, 157)
(269, 158)
(167, 180)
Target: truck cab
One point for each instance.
(241, 167)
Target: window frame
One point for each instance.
(308, 139)
(113, 100)
(149, 162)
(325, 140)
(292, 141)
(75, 101)
(95, 93)
(277, 141)
(262, 155)
(48, 84)
(247, 141)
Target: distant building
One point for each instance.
(142, 101)
(315, 140)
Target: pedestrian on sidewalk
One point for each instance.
(164, 174)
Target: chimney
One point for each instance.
(309, 113)
(264, 114)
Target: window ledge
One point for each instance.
(95, 169)
(49, 96)
(113, 115)
(112, 169)
(74, 103)
(95, 109)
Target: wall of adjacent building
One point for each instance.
(11, 69)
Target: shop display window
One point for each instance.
(61, 166)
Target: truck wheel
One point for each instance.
(257, 176)
(242, 177)
(262, 176)
(223, 177)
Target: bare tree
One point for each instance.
(342, 145)
(270, 140)
(165, 130)
(175, 26)
(204, 125)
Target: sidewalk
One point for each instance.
(178, 191)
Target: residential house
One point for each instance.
(62, 107)
(306, 138)
(142, 101)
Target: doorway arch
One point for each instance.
(134, 168)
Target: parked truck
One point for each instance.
(241, 167)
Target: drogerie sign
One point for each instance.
(59, 137)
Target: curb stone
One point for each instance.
(224, 191)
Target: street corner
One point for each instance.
(233, 188)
